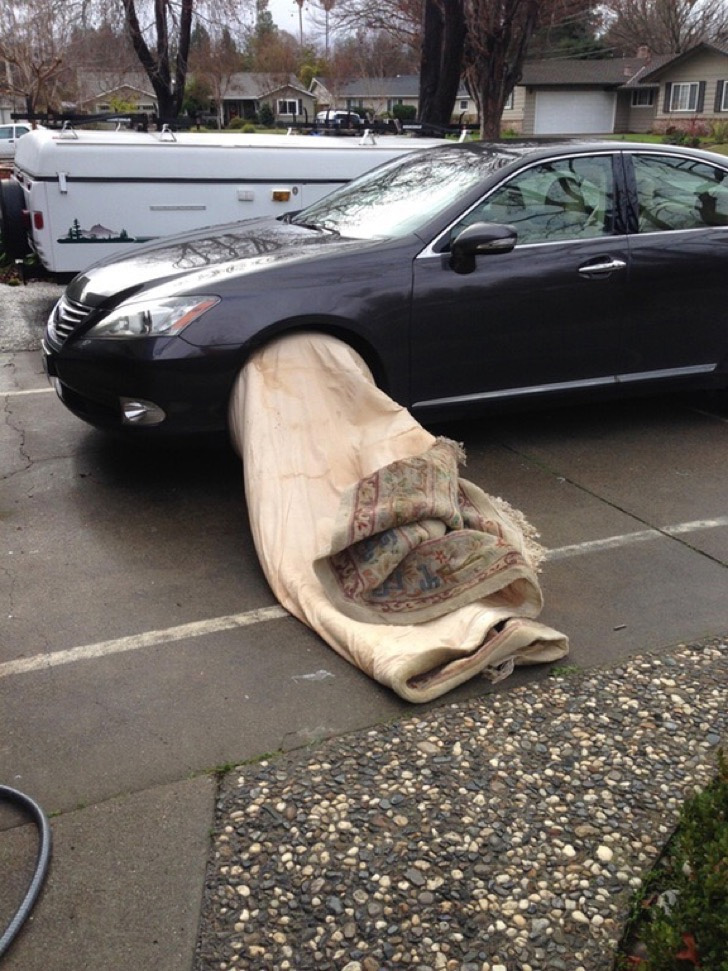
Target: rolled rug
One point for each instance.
(367, 534)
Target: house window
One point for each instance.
(724, 99)
(643, 97)
(464, 104)
(289, 107)
(684, 97)
(391, 102)
(508, 106)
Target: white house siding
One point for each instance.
(572, 112)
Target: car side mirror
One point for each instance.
(480, 239)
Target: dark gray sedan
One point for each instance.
(467, 276)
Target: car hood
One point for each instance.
(204, 257)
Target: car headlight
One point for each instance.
(152, 318)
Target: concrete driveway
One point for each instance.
(141, 649)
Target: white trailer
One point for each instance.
(77, 196)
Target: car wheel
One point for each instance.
(13, 234)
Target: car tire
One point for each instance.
(13, 234)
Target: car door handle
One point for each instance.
(608, 266)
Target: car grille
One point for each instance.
(66, 317)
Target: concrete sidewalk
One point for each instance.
(507, 831)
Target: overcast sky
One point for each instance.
(285, 14)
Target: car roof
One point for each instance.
(535, 148)
(550, 146)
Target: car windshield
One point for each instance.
(396, 198)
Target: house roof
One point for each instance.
(99, 84)
(614, 72)
(674, 60)
(396, 86)
(247, 85)
(110, 92)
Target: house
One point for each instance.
(379, 96)
(100, 92)
(284, 94)
(554, 97)
(692, 88)
(581, 97)
(244, 94)
(634, 94)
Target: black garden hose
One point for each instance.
(41, 864)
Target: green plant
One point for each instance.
(564, 670)
(719, 132)
(236, 123)
(682, 918)
(688, 134)
(266, 116)
(404, 112)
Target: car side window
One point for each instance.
(567, 198)
(6, 132)
(679, 193)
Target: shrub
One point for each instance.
(266, 116)
(404, 112)
(689, 133)
(683, 921)
(236, 123)
(719, 132)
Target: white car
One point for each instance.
(9, 135)
(336, 118)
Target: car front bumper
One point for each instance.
(158, 387)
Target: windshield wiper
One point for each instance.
(316, 227)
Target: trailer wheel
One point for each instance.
(13, 234)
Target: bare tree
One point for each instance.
(162, 40)
(498, 32)
(401, 19)
(326, 6)
(164, 55)
(33, 37)
(213, 60)
(665, 26)
(496, 44)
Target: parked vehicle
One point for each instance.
(336, 118)
(78, 195)
(467, 276)
(9, 135)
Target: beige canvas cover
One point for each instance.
(324, 450)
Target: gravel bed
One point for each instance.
(506, 833)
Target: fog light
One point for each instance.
(135, 411)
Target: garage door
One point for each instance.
(574, 113)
